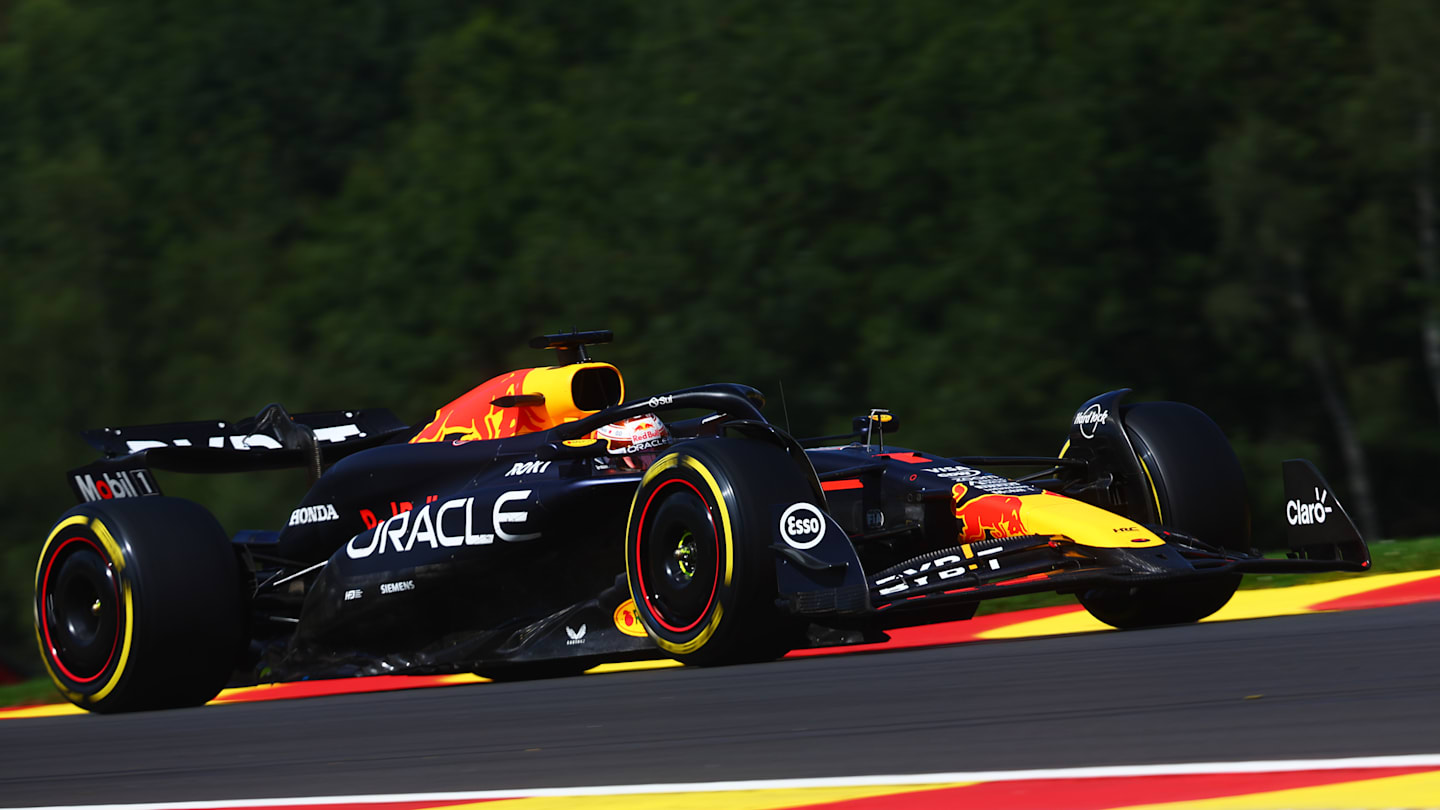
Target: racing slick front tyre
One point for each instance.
(697, 550)
(138, 605)
(1198, 488)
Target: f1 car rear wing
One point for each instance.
(271, 440)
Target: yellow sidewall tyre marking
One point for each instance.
(687, 461)
(699, 641)
(1159, 515)
(1149, 479)
(78, 520)
(706, 633)
(112, 549)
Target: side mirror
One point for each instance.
(882, 420)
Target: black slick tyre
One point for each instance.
(1198, 488)
(697, 550)
(137, 605)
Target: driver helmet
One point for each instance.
(637, 440)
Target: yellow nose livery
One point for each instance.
(992, 515)
(1085, 524)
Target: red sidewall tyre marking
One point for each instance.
(45, 613)
(640, 568)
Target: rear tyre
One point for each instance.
(697, 550)
(137, 605)
(1198, 488)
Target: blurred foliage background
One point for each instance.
(977, 215)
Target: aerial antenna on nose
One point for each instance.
(783, 407)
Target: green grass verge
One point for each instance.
(1389, 556)
(29, 693)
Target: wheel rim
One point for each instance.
(677, 556)
(80, 610)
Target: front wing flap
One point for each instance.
(925, 588)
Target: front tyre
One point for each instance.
(137, 605)
(697, 551)
(1198, 488)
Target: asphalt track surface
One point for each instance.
(1318, 685)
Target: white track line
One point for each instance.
(898, 780)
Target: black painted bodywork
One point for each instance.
(487, 555)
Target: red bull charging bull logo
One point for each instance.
(987, 516)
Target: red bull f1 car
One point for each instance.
(543, 523)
